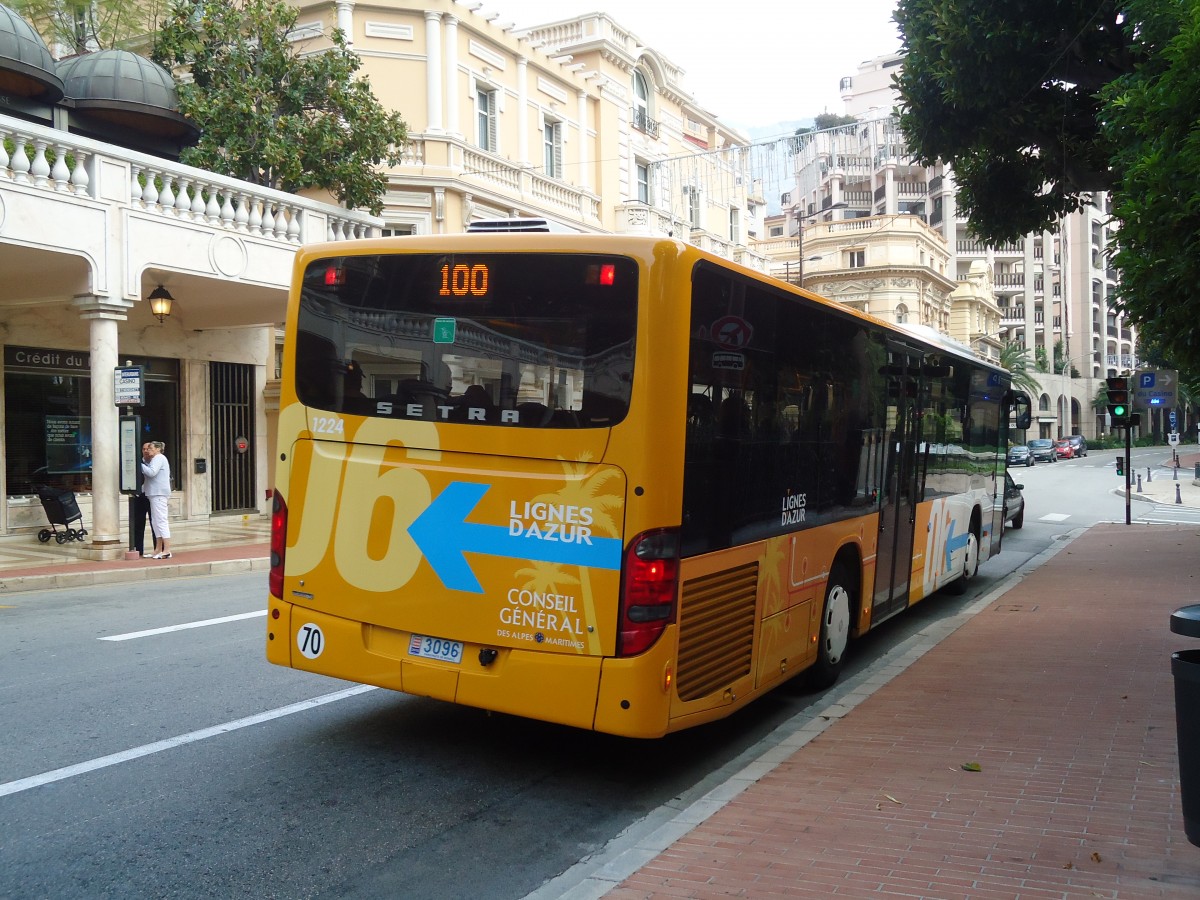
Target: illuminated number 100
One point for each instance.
(462, 280)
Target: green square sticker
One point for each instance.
(443, 330)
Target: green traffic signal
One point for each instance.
(1118, 399)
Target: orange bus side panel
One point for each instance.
(632, 701)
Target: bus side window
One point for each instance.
(317, 367)
(735, 417)
(532, 414)
(700, 415)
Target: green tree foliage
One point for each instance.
(1153, 122)
(1008, 93)
(270, 115)
(825, 121)
(87, 25)
(1060, 363)
(1041, 363)
(1016, 359)
(1037, 103)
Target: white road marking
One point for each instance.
(103, 762)
(1054, 517)
(186, 625)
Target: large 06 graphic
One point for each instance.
(523, 552)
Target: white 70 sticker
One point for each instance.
(310, 640)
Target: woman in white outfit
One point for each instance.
(157, 488)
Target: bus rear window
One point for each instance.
(518, 339)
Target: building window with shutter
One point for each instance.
(485, 113)
(691, 196)
(643, 183)
(552, 149)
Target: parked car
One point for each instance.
(1014, 502)
(1043, 449)
(1063, 449)
(1019, 455)
(1078, 444)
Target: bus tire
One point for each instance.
(835, 628)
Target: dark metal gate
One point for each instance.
(231, 387)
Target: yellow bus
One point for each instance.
(612, 482)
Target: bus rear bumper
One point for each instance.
(553, 687)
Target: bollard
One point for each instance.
(1178, 499)
(1139, 487)
(1148, 478)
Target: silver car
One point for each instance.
(1043, 449)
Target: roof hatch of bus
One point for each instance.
(491, 226)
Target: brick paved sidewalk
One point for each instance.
(1061, 691)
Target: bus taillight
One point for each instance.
(278, 544)
(649, 587)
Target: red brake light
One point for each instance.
(649, 586)
(335, 276)
(608, 273)
(278, 544)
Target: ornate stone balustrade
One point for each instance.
(513, 181)
(68, 164)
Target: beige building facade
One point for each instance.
(577, 122)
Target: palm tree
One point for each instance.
(1016, 359)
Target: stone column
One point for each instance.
(452, 123)
(433, 70)
(585, 178)
(889, 179)
(523, 110)
(103, 314)
(345, 20)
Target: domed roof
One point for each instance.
(26, 66)
(125, 88)
(118, 75)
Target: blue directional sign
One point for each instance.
(1156, 387)
(443, 534)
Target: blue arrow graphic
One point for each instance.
(443, 535)
(953, 543)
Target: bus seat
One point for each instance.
(532, 414)
(474, 397)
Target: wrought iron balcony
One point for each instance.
(642, 122)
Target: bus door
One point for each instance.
(901, 474)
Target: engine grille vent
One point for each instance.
(716, 630)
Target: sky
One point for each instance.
(751, 63)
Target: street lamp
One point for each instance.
(801, 219)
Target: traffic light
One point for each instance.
(1118, 399)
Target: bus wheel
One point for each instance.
(835, 629)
